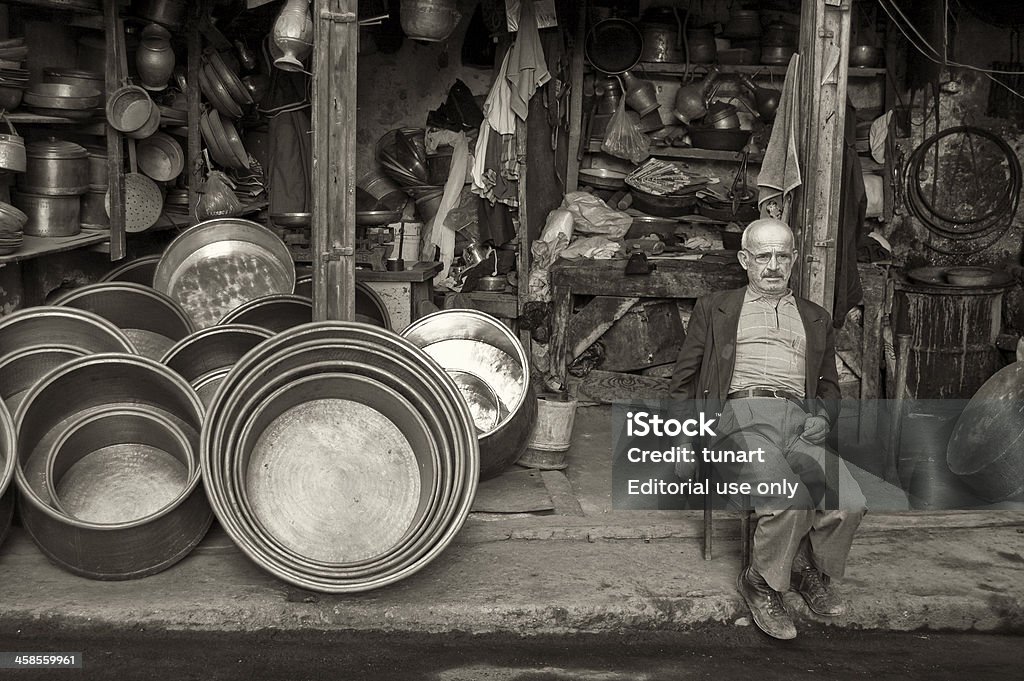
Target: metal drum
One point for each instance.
(475, 343)
(314, 384)
(274, 313)
(953, 331)
(205, 358)
(78, 390)
(8, 445)
(151, 320)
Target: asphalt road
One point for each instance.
(721, 653)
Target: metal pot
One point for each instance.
(865, 56)
(722, 140)
(780, 34)
(661, 43)
(107, 551)
(55, 168)
(12, 150)
(777, 55)
(722, 116)
(91, 80)
(169, 13)
(50, 215)
(743, 24)
(664, 206)
(97, 168)
(701, 45)
(430, 20)
(8, 448)
(93, 212)
(205, 357)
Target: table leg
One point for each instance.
(561, 308)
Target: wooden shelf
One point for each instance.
(83, 6)
(36, 246)
(674, 69)
(416, 272)
(692, 153)
(88, 126)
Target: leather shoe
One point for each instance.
(821, 598)
(766, 606)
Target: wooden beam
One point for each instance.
(590, 323)
(824, 64)
(195, 159)
(572, 168)
(335, 44)
(115, 76)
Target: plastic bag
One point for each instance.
(623, 138)
(218, 199)
(592, 216)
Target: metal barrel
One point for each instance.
(275, 313)
(469, 341)
(277, 393)
(107, 551)
(151, 320)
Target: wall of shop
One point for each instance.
(398, 89)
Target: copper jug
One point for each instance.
(692, 99)
(640, 94)
(766, 100)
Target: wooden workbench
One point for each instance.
(670, 279)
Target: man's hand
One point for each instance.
(816, 429)
(685, 470)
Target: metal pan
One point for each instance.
(215, 266)
(614, 46)
(229, 78)
(21, 370)
(48, 326)
(205, 358)
(603, 178)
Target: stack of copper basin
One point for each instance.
(490, 368)
(339, 457)
(107, 466)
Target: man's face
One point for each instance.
(769, 259)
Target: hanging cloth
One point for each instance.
(527, 68)
(780, 169)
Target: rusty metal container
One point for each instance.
(311, 367)
(151, 320)
(472, 342)
(953, 332)
(100, 550)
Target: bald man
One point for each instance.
(769, 358)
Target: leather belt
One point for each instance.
(768, 392)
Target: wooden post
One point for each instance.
(572, 169)
(335, 45)
(115, 77)
(824, 61)
(195, 159)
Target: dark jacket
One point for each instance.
(704, 367)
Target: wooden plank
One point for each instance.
(572, 166)
(561, 309)
(115, 76)
(335, 44)
(414, 272)
(606, 387)
(874, 284)
(824, 39)
(590, 323)
(692, 153)
(671, 279)
(194, 166)
(35, 246)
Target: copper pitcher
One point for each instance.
(640, 94)
(766, 100)
(692, 99)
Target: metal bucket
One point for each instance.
(296, 358)
(475, 342)
(151, 320)
(275, 313)
(953, 331)
(107, 551)
(205, 357)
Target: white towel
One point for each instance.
(527, 68)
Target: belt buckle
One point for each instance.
(775, 394)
